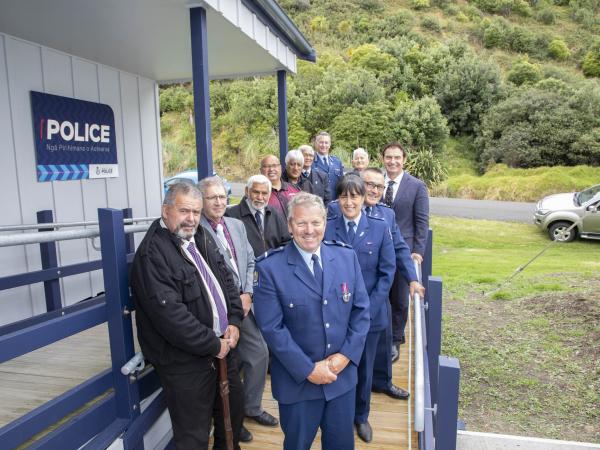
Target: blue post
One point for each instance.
(201, 92)
(447, 410)
(49, 261)
(434, 333)
(426, 269)
(114, 268)
(282, 112)
(129, 238)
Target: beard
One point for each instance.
(184, 234)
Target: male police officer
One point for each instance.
(311, 305)
(330, 165)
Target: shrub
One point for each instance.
(523, 72)
(591, 61)
(424, 164)
(451, 9)
(420, 123)
(521, 40)
(546, 16)
(319, 24)
(344, 27)
(461, 17)
(431, 23)
(371, 5)
(176, 98)
(419, 4)
(558, 50)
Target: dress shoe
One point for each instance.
(395, 352)
(394, 392)
(245, 435)
(364, 431)
(266, 419)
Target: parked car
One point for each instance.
(556, 213)
(192, 176)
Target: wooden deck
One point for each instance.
(31, 380)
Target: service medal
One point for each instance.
(345, 292)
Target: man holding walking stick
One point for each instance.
(188, 314)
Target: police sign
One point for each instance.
(74, 139)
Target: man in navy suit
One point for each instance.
(326, 163)
(371, 239)
(312, 307)
(409, 199)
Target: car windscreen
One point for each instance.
(586, 195)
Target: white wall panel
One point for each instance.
(26, 66)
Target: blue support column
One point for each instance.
(201, 92)
(129, 238)
(49, 261)
(282, 112)
(426, 268)
(116, 286)
(447, 410)
(434, 333)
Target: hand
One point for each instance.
(417, 257)
(321, 374)
(224, 348)
(417, 287)
(337, 362)
(246, 303)
(232, 335)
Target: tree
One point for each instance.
(523, 72)
(420, 123)
(591, 61)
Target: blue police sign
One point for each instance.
(74, 139)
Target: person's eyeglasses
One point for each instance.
(379, 187)
(213, 198)
(270, 166)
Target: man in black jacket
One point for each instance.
(188, 314)
(313, 181)
(265, 228)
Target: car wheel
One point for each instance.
(558, 232)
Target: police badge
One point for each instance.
(345, 292)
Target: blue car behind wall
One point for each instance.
(191, 176)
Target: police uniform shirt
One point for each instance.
(356, 220)
(307, 257)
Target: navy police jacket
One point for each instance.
(375, 250)
(303, 324)
(334, 171)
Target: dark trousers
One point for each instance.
(193, 399)
(399, 300)
(365, 376)
(300, 422)
(382, 367)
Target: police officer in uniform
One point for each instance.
(372, 241)
(312, 307)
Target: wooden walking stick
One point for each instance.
(224, 391)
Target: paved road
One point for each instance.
(458, 207)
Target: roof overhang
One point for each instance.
(152, 37)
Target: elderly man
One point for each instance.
(409, 199)
(360, 160)
(281, 191)
(313, 181)
(294, 161)
(232, 242)
(326, 163)
(312, 307)
(188, 313)
(265, 228)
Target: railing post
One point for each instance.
(426, 268)
(447, 409)
(282, 113)
(49, 261)
(434, 333)
(116, 286)
(129, 238)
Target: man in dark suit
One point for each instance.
(409, 199)
(188, 314)
(232, 242)
(312, 307)
(265, 228)
(313, 181)
(330, 165)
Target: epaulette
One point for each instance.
(269, 253)
(338, 243)
(384, 205)
(377, 218)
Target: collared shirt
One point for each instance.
(355, 220)
(213, 225)
(396, 185)
(253, 209)
(324, 159)
(307, 257)
(213, 306)
(281, 197)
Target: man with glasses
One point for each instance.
(281, 191)
(232, 243)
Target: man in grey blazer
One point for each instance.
(232, 242)
(409, 199)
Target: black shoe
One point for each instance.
(394, 392)
(395, 352)
(266, 419)
(364, 431)
(245, 435)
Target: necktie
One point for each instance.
(351, 232)
(305, 174)
(219, 302)
(317, 270)
(259, 222)
(389, 193)
(368, 209)
(325, 162)
(223, 239)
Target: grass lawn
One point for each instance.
(529, 350)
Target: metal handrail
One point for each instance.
(37, 226)
(419, 393)
(65, 235)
